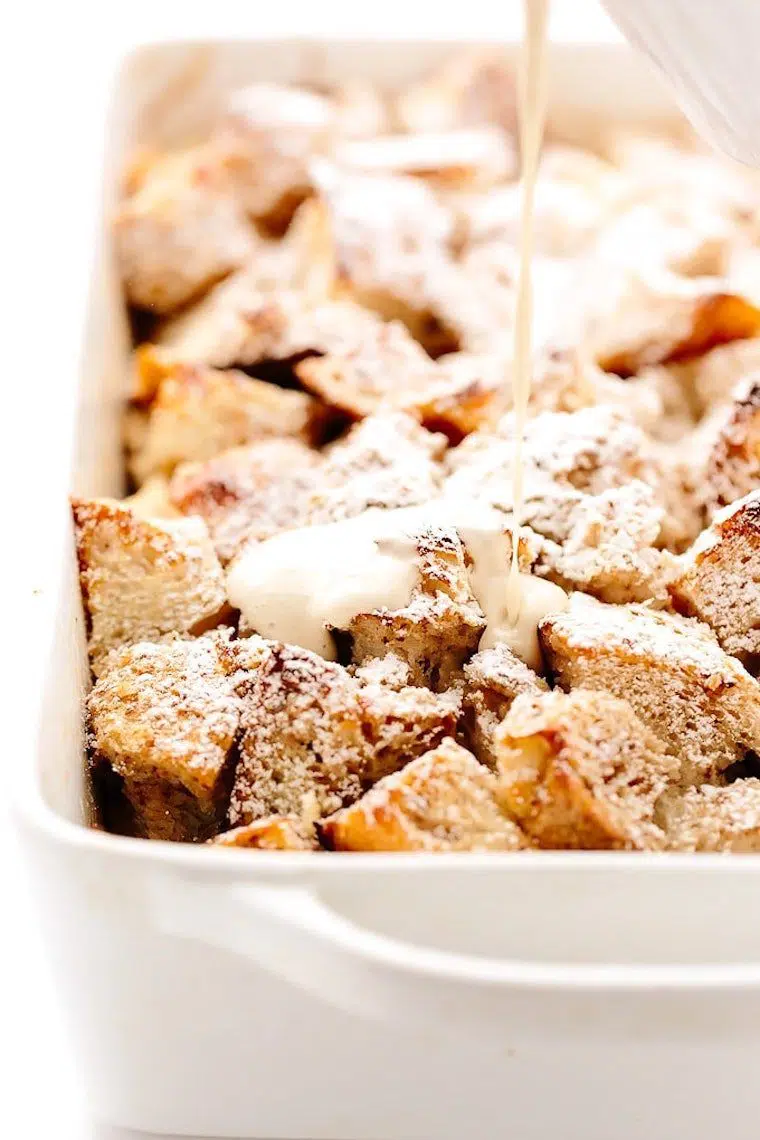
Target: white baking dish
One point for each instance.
(245, 994)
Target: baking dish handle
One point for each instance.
(294, 934)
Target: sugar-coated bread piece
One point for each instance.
(390, 239)
(442, 801)
(440, 627)
(197, 412)
(275, 833)
(580, 770)
(697, 699)
(650, 317)
(314, 737)
(457, 395)
(268, 135)
(713, 819)
(248, 492)
(386, 367)
(472, 88)
(387, 461)
(164, 716)
(609, 547)
(713, 376)
(141, 578)
(181, 230)
(463, 157)
(719, 579)
(733, 463)
(494, 678)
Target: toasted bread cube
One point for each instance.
(580, 770)
(440, 627)
(442, 801)
(456, 396)
(152, 500)
(314, 736)
(390, 239)
(656, 317)
(275, 833)
(697, 699)
(165, 716)
(388, 367)
(473, 88)
(733, 464)
(142, 578)
(713, 819)
(198, 412)
(268, 135)
(590, 451)
(472, 157)
(713, 376)
(248, 492)
(494, 678)
(609, 549)
(387, 461)
(719, 579)
(180, 231)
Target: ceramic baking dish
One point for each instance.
(368, 997)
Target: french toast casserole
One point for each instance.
(288, 632)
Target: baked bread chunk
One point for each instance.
(581, 770)
(733, 464)
(443, 801)
(713, 819)
(439, 628)
(719, 579)
(699, 701)
(197, 412)
(275, 833)
(314, 737)
(179, 230)
(268, 135)
(141, 578)
(165, 716)
(494, 678)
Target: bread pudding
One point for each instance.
(299, 620)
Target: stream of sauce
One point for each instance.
(297, 586)
(532, 101)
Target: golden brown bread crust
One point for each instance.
(442, 801)
(494, 678)
(179, 231)
(581, 770)
(662, 318)
(165, 716)
(713, 819)
(733, 465)
(197, 412)
(696, 698)
(314, 736)
(719, 579)
(275, 833)
(142, 578)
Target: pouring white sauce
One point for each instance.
(298, 585)
(532, 100)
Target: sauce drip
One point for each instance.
(532, 100)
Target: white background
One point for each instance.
(56, 65)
